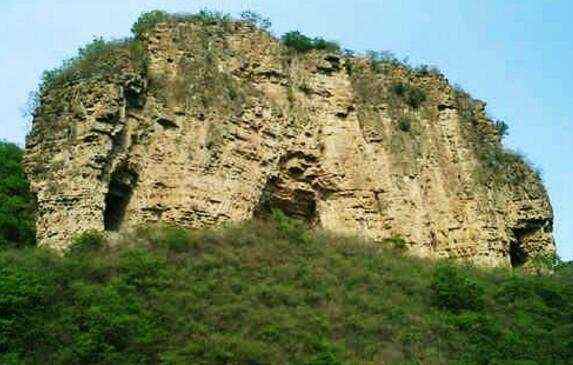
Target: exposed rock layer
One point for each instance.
(320, 136)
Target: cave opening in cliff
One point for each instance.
(294, 203)
(517, 254)
(121, 185)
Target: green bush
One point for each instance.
(175, 238)
(256, 19)
(300, 43)
(413, 95)
(87, 241)
(501, 127)
(455, 290)
(17, 203)
(405, 124)
(293, 229)
(399, 89)
(416, 97)
(148, 21)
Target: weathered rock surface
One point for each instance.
(320, 136)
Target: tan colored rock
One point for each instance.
(316, 135)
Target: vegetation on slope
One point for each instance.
(271, 293)
(16, 201)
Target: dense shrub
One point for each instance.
(455, 290)
(300, 43)
(87, 241)
(17, 203)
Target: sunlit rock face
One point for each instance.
(227, 124)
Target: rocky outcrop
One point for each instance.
(226, 124)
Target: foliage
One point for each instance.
(256, 293)
(397, 242)
(405, 123)
(87, 241)
(255, 19)
(294, 230)
(98, 59)
(400, 89)
(502, 165)
(17, 203)
(205, 16)
(547, 262)
(384, 61)
(413, 95)
(300, 43)
(427, 70)
(455, 290)
(416, 97)
(501, 127)
(148, 21)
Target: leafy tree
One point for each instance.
(16, 201)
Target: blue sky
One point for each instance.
(515, 55)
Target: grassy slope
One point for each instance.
(267, 293)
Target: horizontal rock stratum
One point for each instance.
(223, 122)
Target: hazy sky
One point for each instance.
(515, 55)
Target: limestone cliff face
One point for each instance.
(226, 124)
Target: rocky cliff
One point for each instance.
(223, 122)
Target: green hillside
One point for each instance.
(272, 293)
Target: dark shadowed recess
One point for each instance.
(122, 182)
